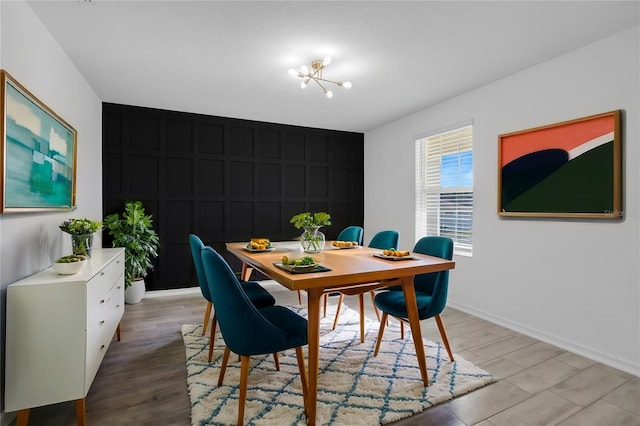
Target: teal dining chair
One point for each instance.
(248, 330)
(382, 240)
(350, 233)
(431, 291)
(255, 292)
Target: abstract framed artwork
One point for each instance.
(38, 164)
(568, 169)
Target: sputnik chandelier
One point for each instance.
(315, 74)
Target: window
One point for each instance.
(444, 187)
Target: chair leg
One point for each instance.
(324, 312)
(207, 314)
(375, 308)
(401, 330)
(276, 360)
(361, 306)
(212, 337)
(223, 366)
(335, 320)
(299, 298)
(443, 334)
(303, 375)
(244, 379)
(383, 322)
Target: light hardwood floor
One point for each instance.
(142, 380)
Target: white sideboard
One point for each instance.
(59, 328)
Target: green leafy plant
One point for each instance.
(80, 226)
(134, 231)
(310, 239)
(308, 219)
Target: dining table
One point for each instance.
(340, 268)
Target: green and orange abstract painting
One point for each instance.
(571, 168)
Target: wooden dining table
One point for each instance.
(348, 268)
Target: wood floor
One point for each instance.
(142, 380)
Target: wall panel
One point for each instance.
(225, 180)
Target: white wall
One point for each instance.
(572, 283)
(30, 242)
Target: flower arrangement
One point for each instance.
(80, 226)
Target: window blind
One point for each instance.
(444, 187)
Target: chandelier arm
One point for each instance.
(337, 83)
(319, 84)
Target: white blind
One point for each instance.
(444, 187)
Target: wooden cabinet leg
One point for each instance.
(23, 417)
(118, 332)
(81, 418)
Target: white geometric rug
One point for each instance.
(354, 388)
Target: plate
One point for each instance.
(342, 248)
(382, 256)
(252, 250)
(298, 267)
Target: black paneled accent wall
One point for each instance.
(225, 180)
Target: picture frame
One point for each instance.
(38, 155)
(571, 169)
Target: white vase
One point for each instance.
(134, 293)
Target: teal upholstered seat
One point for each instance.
(255, 292)
(431, 291)
(351, 233)
(385, 240)
(248, 330)
(382, 240)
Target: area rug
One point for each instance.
(354, 388)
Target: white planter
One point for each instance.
(133, 294)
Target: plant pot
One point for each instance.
(134, 293)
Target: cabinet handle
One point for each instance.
(101, 347)
(117, 306)
(101, 322)
(102, 301)
(101, 272)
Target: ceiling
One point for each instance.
(231, 58)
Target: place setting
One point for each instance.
(301, 265)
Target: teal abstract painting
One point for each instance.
(39, 151)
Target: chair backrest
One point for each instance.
(385, 240)
(351, 233)
(244, 329)
(436, 283)
(196, 252)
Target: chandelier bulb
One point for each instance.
(303, 84)
(346, 85)
(326, 60)
(328, 94)
(304, 69)
(293, 72)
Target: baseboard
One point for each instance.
(543, 336)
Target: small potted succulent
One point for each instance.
(81, 231)
(311, 240)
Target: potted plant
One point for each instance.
(311, 240)
(81, 231)
(134, 232)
